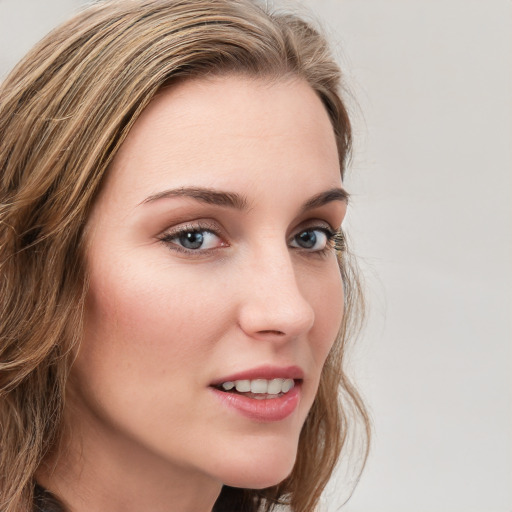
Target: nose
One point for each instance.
(273, 306)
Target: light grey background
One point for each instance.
(431, 221)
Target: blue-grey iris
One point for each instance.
(306, 239)
(192, 239)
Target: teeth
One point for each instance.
(287, 385)
(261, 386)
(243, 386)
(275, 386)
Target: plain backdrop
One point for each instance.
(431, 221)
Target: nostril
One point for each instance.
(269, 331)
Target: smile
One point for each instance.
(263, 394)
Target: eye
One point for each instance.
(312, 239)
(194, 239)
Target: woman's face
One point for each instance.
(211, 266)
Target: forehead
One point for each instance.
(219, 131)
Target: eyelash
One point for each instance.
(169, 237)
(338, 240)
(335, 239)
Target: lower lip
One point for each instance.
(268, 410)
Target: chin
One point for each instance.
(261, 471)
(258, 480)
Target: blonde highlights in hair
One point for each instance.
(64, 112)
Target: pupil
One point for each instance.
(307, 239)
(192, 240)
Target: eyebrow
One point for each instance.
(333, 194)
(205, 195)
(238, 201)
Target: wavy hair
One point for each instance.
(64, 112)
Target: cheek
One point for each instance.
(153, 316)
(150, 332)
(326, 296)
(132, 315)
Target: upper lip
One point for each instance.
(263, 372)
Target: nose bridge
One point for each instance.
(274, 302)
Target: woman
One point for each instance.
(176, 294)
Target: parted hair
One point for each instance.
(65, 110)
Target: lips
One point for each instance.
(263, 394)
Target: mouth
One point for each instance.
(264, 394)
(259, 389)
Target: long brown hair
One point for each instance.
(64, 112)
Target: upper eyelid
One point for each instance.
(315, 224)
(215, 228)
(326, 229)
(193, 226)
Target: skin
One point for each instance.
(162, 323)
